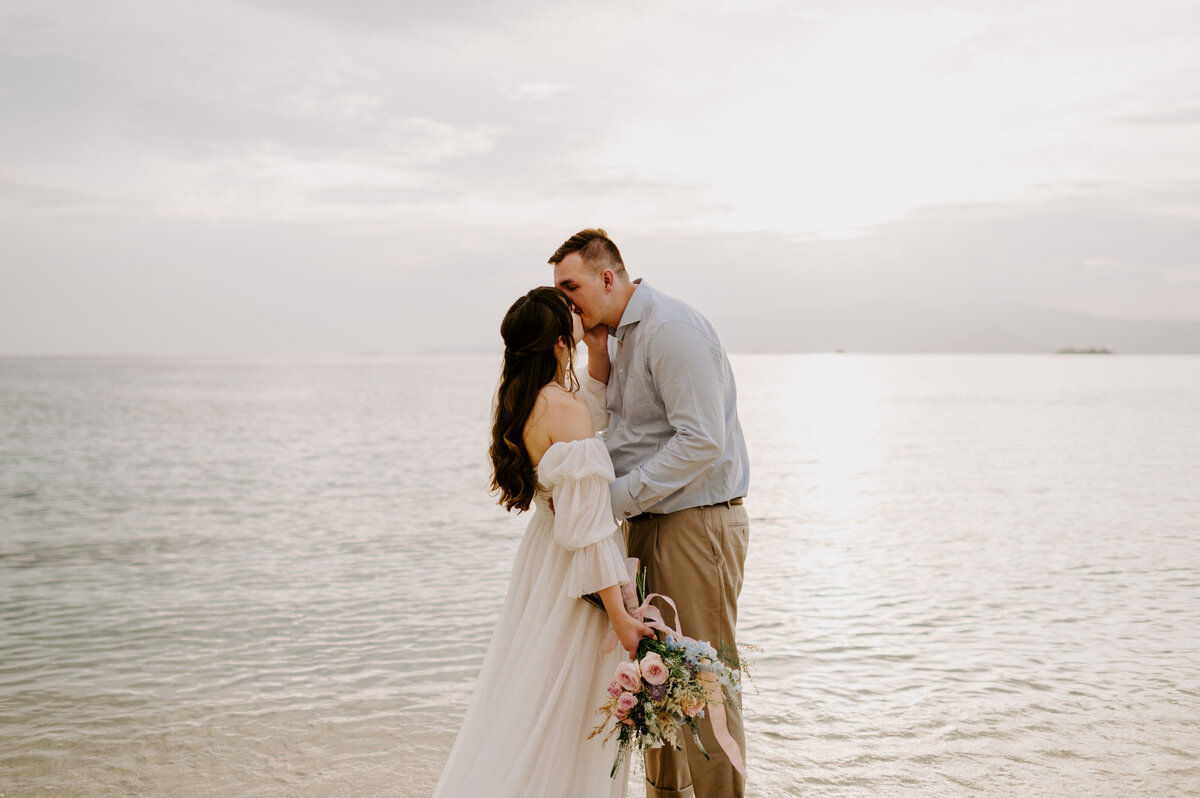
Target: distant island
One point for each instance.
(1095, 350)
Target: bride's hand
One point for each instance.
(630, 632)
(597, 339)
(599, 364)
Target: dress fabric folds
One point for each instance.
(525, 734)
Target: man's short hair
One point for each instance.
(595, 248)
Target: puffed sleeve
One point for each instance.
(578, 473)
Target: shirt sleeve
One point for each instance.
(685, 361)
(578, 473)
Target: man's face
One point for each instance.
(585, 289)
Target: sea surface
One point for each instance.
(969, 575)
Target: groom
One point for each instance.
(658, 368)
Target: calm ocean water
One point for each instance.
(969, 575)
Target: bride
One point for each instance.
(526, 730)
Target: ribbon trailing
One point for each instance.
(652, 616)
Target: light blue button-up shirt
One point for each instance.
(673, 430)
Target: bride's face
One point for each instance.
(560, 351)
(576, 325)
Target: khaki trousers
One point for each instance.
(696, 556)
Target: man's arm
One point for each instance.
(687, 370)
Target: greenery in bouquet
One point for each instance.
(659, 695)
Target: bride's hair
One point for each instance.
(532, 327)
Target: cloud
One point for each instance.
(400, 16)
(1109, 252)
(278, 287)
(536, 89)
(1182, 116)
(44, 197)
(759, 156)
(427, 141)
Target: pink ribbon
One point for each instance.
(652, 616)
(716, 714)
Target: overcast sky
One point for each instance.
(334, 177)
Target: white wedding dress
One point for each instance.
(525, 734)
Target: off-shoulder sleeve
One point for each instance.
(578, 473)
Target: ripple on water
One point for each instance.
(967, 575)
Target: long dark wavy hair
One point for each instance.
(531, 328)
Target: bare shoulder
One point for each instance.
(558, 415)
(552, 402)
(567, 417)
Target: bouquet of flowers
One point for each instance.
(665, 688)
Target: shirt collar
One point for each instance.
(634, 308)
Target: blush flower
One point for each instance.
(614, 689)
(626, 702)
(654, 670)
(692, 707)
(628, 677)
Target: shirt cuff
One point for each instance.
(623, 505)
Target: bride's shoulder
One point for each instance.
(563, 414)
(558, 396)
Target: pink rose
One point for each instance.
(692, 708)
(626, 702)
(654, 670)
(614, 689)
(628, 677)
